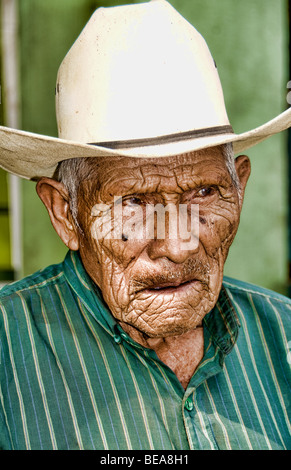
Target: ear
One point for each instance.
(55, 197)
(243, 169)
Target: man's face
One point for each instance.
(157, 285)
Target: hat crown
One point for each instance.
(137, 71)
(141, 82)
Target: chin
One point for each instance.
(168, 329)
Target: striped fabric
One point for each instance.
(72, 379)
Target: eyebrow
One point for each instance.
(135, 188)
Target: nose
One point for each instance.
(179, 234)
(175, 244)
(176, 250)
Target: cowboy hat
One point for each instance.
(139, 81)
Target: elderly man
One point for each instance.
(136, 341)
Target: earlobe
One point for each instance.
(56, 200)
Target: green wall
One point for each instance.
(249, 41)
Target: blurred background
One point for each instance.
(249, 40)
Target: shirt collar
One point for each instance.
(87, 291)
(222, 321)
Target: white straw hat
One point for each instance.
(139, 81)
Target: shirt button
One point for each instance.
(117, 339)
(189, 404)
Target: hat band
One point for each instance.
(166, 139)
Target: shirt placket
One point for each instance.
(197, 425)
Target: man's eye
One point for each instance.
(132, 200)
(205, 191)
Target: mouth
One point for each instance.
(172, 287)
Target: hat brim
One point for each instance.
(32, 156)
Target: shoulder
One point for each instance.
(246, 289)
(254, 302)
(39, 281)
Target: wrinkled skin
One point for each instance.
(158, 290)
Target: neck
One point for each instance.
(181, 353)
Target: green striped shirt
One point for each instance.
(71, 378)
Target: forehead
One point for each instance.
(146, 174)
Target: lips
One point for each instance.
(171, 286)
(168, 278)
